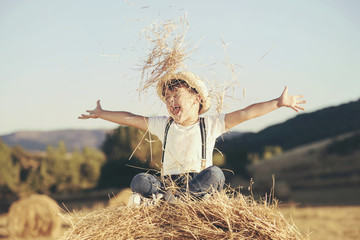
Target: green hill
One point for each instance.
(303, 129)
(306, 128)
(325, 172)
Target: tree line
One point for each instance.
(55, 170)
(123, 153)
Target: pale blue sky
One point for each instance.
(58, 57)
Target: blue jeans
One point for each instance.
(209, 179)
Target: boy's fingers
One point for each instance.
(285, 90)
(293, 108)
(84, 116)
(300, 96)
(299, 107)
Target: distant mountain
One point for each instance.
(303, 129)
(39, 140)
(232, 135)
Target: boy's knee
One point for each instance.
(216, 171)
(145, 184)
(211, 178)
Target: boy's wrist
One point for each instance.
(278, 103)
(100, 113)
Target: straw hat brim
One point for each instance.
(193, 81)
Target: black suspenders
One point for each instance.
(165, 137)
(203, 141)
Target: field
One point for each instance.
(328, 223)
(319, 223)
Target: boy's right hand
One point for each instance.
(92, 113)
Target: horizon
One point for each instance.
(117, 125)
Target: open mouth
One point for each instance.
(176, 110)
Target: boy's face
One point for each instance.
(182, 105)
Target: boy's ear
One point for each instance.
(198, 98)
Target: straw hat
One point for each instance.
(193, 81)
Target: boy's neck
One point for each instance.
(189, 121)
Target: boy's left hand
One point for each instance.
(286, 100)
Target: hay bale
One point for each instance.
(34, 216)
(219, 217)
(122, 198)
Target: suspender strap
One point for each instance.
(203, 143)
(165, 137)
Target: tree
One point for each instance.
(126, 150)
(9, 171)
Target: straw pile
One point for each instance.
(34, 216)
(218, 217)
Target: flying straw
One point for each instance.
(167, 51)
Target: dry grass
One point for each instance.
(326, 223)
(167, 53)
(228, 84)
(167, 50)
(219, 217)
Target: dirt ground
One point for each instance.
(321, 223)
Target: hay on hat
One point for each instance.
(167, 52)
(193, 81)
(34, 216)
(167, 55)
(166, 59)
(219, 217)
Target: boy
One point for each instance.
(188, 140)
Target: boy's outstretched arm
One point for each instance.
(120, 117)
(258, 109)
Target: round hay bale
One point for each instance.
(34, 216)
(122, 198)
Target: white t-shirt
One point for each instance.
(183, 144)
